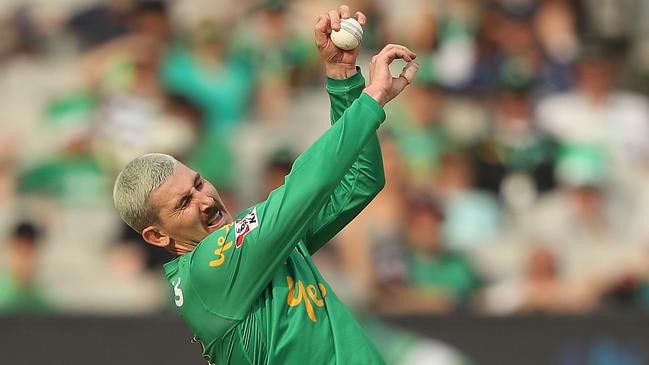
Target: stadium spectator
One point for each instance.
(598, 117)
(434, 279)
(514, 147)
(99, 23)
(472, 216)
(19, 288)
(282, 58)
(556, 27)
(213, 75)
(543, 288)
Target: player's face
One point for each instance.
(189, 207)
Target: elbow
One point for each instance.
(376, 180)
(374, 188)
(376, 191)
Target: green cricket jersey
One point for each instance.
(250, 290)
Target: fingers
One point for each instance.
(392, 54)
(320, 28)
(362, 19)
(372, 68)
(334, 16)
(382, 84)
(409, 71)
(330, 21)
(392, 51)
(406, 77)
(344, 12)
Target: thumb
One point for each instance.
(407, 76)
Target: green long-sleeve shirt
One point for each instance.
(250, 291)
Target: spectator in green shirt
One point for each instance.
(431, 278)
(18, 289)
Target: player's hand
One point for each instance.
(383, 87)
(339, 63)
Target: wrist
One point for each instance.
(377, 94)
(340, 71)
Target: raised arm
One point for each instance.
(365, 178)
(240, 260)
(362, 181)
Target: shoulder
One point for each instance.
(213, 250)
(212, 247)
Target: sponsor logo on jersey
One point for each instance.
(245, 225)
(221, 248)
(308, 295)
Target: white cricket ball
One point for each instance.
(349, 36)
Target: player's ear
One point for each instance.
(153, 235)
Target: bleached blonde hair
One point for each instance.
(135, 183)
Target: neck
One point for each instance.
(181, 248)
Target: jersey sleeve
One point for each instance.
(232, 266)
(362, 181)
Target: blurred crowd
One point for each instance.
(517, 163)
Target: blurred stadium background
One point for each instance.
(512, 230)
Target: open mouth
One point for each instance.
(217, 220)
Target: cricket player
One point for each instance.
(247, 285)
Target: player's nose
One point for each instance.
(205, 201)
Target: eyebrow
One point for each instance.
(180, 201)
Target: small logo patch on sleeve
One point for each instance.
(244, 225)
